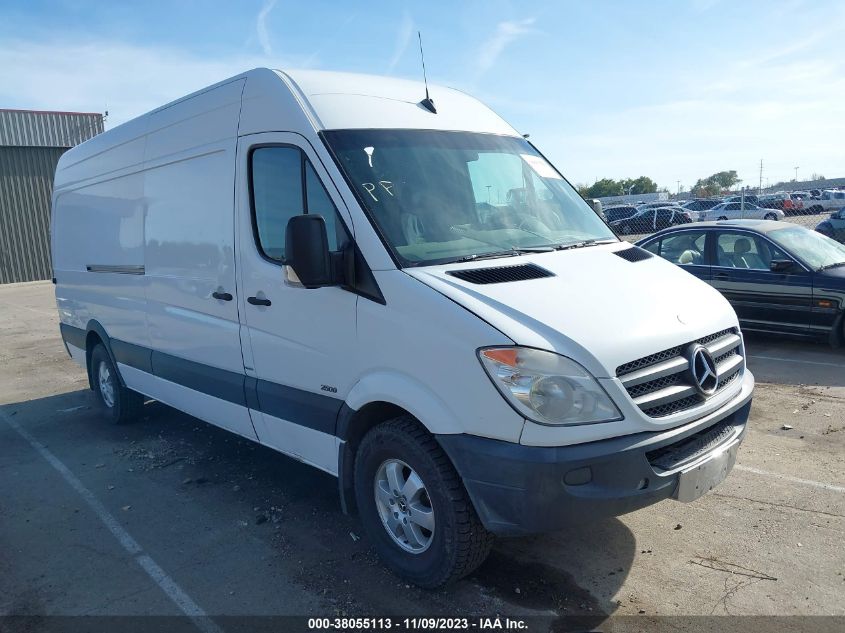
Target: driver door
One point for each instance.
(299, 345)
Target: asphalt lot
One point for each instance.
(170, 513)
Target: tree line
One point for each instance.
(610, 187)
(712, 185)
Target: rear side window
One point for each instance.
(284, 184)
(685, 248)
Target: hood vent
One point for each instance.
(501, 274)
(634, 254)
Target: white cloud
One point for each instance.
(261, 26)
(506, 33)
(403, 39)
(126, 79)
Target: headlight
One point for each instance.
(546, 387)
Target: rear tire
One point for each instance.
(457, 542)
(118, 403)
(722, 218)
(770, 216)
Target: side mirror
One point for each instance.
(780, 265)
(307, 251)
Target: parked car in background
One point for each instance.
(779, 277)
(612, 214)
(657, 205)
(782, 201)
(834, 226)
(650, 220)
(735, 211)
(830, 200)
(748, 198)
(700, 204)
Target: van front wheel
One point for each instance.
(414, 507)
(118, 403)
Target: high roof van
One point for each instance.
(402, 292)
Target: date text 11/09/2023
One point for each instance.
(417, 624)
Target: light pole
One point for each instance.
(629, 191)
(796, 174)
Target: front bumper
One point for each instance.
(519, 489)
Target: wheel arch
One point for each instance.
(96, 334)
(375, 399)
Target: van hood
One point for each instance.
(595, 307)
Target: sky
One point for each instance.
(671, 89)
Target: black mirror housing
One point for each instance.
(307, 251)
(780, 265)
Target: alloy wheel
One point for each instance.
(404, 506)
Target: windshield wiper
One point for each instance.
(566, 247)
(834, 265)
(512, 252)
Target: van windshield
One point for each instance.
(438, 197)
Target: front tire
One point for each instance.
(414, 507)
(118, 403)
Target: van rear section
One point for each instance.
(410, 298)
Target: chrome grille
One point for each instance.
(660, 384)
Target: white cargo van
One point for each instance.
(404, 294)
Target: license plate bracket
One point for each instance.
(704, 476)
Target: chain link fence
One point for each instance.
(816, 205)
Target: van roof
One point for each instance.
(299, 101)
(351, 100)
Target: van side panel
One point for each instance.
(189, 249)
(98, 256)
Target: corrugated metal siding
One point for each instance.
(21, 128)
(26, 185)
(30, 146)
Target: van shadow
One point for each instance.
(295, 509)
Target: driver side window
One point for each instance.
(284, 184)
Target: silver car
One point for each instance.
(735, 211)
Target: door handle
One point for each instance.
(258, 301)
(721, 276)
(223, 296)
